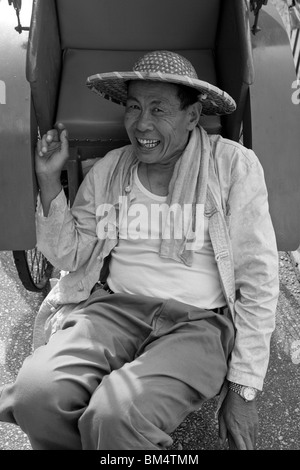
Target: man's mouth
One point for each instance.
(148, 143)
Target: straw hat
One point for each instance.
(162, 66)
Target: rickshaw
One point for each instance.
(239, 45)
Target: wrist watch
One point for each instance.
(247, 393)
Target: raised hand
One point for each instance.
(52, 152)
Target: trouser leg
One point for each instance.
(181, 364)
(55, 384)
(166, 357)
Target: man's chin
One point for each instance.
(147, 155)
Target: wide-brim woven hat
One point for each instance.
(162, 66)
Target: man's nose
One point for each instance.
(144, 121)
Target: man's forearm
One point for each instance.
(49, 189)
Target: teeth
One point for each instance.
(148, 143)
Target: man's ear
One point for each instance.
(195, 111)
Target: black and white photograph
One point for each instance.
(149, 229)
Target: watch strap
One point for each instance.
(242, 389)
(237, 388)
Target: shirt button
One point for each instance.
(80, 286)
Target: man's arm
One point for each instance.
(256, 276)
(256, 273)
(65, 236)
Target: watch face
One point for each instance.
(249, 393)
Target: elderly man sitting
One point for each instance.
(172, 280)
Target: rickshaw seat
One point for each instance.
(72, 39)
(105, 41)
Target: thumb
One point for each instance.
(64, 140)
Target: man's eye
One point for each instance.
(132, 106)
(158, 110)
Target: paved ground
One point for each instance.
(18, 308)
(282, 7)
(279, 404)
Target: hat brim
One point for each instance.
(112, 86)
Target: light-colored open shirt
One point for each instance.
(241, 232)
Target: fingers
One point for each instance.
(222, 431)
(64, 140)
(62, 133)
(53, 140)
(236, 442)
(237, 439)
(47, 139)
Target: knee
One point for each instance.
(115, 405)
(123, 417)
(33, 383)
(108, 407)
(44, 389)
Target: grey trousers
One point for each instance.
(123, 373)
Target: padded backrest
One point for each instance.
(109, 26)
(101, 36)
(138, 24)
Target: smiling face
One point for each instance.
(156, 125)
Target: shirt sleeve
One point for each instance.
(67, 236)
(256, 273)
(58, 204)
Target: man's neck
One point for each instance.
(156, 177)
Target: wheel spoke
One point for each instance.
(33, 268)
(37, 265)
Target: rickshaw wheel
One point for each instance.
(33, 268)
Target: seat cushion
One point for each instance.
(90, 117)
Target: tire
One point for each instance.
(34, 269)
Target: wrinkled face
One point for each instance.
(156, 126)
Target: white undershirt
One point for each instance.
(136, 267)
